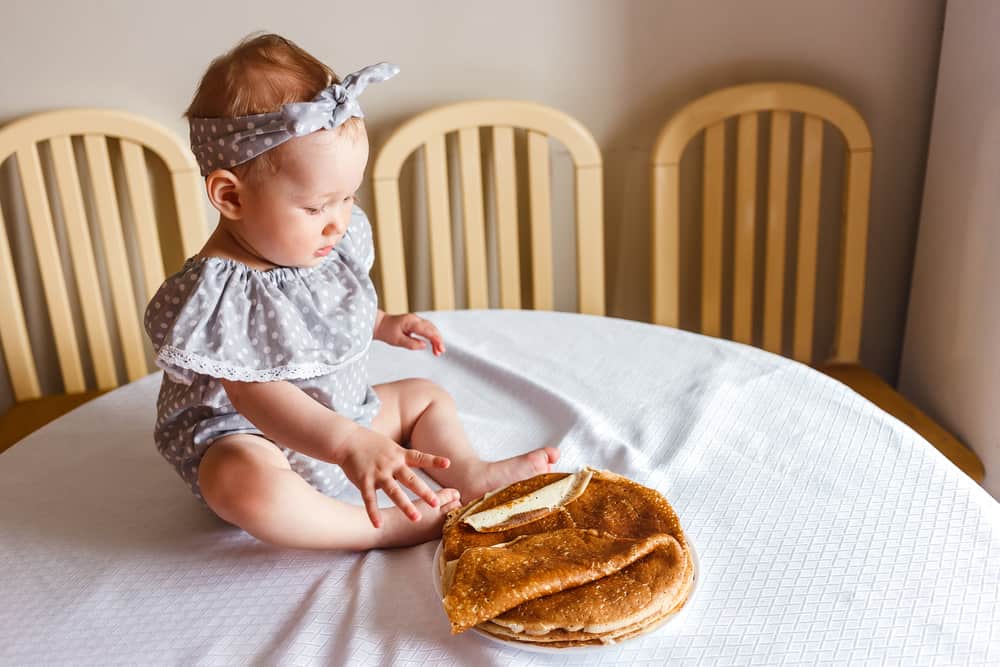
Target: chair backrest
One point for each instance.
(709, 113)
(22, 139)
(428, 130)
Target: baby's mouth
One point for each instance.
(324, 251)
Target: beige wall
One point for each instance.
(951, 360)
(619, 67)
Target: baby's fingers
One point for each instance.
(419, 459)
(411, 343)
(431, 333)
(415, 484)
(396, 494)
(371, 505)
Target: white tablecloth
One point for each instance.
(827, 530)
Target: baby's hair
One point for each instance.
(259, 75)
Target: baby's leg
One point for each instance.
(247, 481)
(422, 415)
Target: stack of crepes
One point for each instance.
(565, 560)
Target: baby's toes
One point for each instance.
(453, 505)
(542, 459)
(447, 497)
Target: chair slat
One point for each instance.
(439, 224)
(540, 195)
(189, 193)
(782, 99)
(391, 258)
(78, 232)
(141, 197)
(13, 331)
(805, 298)
(746, 223)
(507, 233)
(590, 239)
(777, 195)
(847, 342)
(109, 218)
(472, 216)
(20, 138)
(502, 117)
(53, 280)
(665, 241)
(713, 202)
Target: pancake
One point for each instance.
(610, 603)
(457, 536)
(617, 505)
(529, 507)
(544, 565)
(654, 616)
(566, 639)
(609, 502)
(488, 581)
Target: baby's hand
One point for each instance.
(400, 330)
(372, 461)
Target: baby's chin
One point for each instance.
(307, 261)
(315, 261)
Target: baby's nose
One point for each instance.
(337, 226)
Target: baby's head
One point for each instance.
(281, 169)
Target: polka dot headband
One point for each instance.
(221, 143)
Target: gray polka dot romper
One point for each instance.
(217, 318)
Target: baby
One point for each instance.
(264, 335)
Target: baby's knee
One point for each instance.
(431, 392)
(231, 484)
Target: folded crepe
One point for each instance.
(600, 500)
(622, 599)
(567, 639)
(488, 581)
(529, 507)
(565, 560)
(604, 611)
(457, 536)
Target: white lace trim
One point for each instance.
(182, 366)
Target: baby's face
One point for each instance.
(296, 216)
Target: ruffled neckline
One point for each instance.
(278, 273)
(346, 250)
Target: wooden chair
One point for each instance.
(428, 131)
(22, 139)
(746, 102)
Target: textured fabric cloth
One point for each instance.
(827, 531)
(219, 143)
(219, 319)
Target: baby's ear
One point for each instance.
(223, 188)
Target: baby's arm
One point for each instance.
(370, 460)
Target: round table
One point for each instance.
(827, 530)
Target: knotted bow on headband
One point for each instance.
(220, 143)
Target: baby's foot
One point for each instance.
(399, 531)
(508, 471)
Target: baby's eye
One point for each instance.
(312, 211)
(349, 198)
